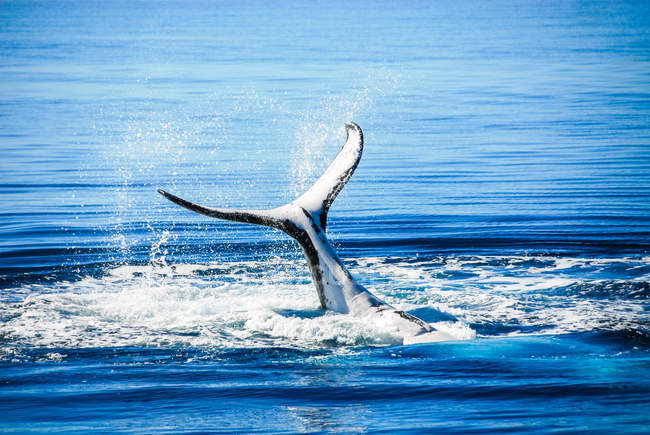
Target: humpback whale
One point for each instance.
(305, 220)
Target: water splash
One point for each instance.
(320, 133)
(273, 303)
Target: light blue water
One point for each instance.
(504, 190)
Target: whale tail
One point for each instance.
(316, 201)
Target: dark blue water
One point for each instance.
(504, 195)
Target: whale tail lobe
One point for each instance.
(316, 201)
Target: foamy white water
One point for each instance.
(274, 303)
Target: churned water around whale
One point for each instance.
(504, 189)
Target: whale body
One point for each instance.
(305, 220)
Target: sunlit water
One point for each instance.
(503, 195)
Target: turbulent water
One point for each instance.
(503, 195)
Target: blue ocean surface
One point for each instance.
(503, 195)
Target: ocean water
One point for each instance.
(504, 195)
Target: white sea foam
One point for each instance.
(508, 291)
(273, 303)
(223, 305)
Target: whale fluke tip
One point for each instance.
(182, 202)
(166, 194)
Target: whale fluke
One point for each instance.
(259, 217)
(305, 220)
(316, 201)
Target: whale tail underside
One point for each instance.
(316, 201)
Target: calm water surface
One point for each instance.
(504, 195)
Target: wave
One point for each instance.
(32, 251)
